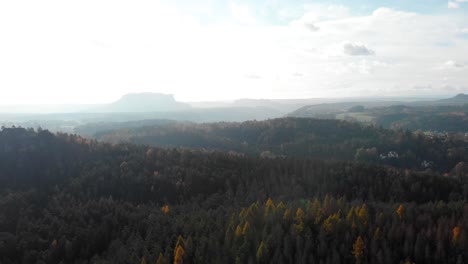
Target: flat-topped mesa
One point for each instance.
(147, 102)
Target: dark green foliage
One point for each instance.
(301, 137)
(64, 199)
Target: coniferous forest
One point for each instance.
(234, 132)
(69, 199)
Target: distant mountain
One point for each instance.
(283, 106)
(329, 110)
(144, 102)
(459, 99)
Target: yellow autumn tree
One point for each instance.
(262, 253)
(400, 211)
(456, 235)
(363, 215)
(243, 213)
(299, 215)
(299, 225)
(269, 206)
(165, 209)
(358, 249)
(331, 222)
(238, 231)
(179, 255)
(280, 206)
(350, 216)
(246, 228)
(180, 242)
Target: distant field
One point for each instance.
(359, 116)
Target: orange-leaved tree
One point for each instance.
(358, 249)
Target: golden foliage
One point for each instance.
(400, 211)
(165, 209)
(299, 226)
(261, 252)
(456, 234)
(238, 231)
(358, 248)
(180, 242)
(280, 206)
(363, 215)
(299, 215)
(246, 228)
(179, 255)
(331, 222)
(269, 206)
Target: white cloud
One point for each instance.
(314, 13)
(453, 5)
(311, 27)
(148, 46)
(357, 49)
(452, 64)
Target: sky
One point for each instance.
(94, 51)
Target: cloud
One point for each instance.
(357, 49)
(453, 5)
(297, 74)
(311, 27)
(187, 51)
(315, 13)
(253, 76)
(453, 64)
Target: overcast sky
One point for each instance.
(95, 51)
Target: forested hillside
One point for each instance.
(65, 199)
(448, 118)
(303, 137)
